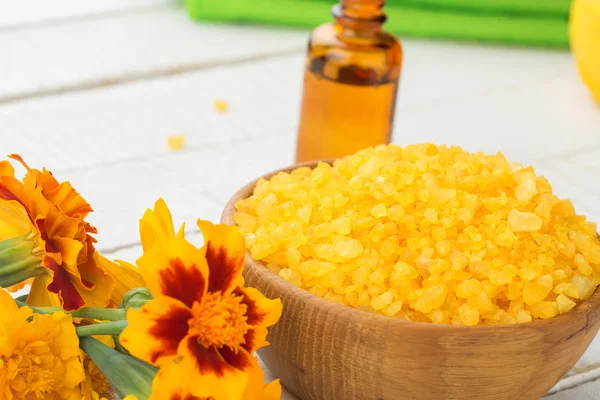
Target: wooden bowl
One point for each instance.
(322, 350)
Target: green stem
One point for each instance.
(20, 265)
(126, 374)
(9, 278)
(101, 314)
(22, 299)
(39, 310)
(107, 328)
(118, 346)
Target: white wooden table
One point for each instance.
(92, 90)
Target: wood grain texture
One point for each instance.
(322, 350)
(26, 14)
(96, 53)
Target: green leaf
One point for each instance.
(126, 374)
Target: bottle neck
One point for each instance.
(360, 15)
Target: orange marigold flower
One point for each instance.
(172, 382)
(39, 354)
(201, 316)
(50, 217)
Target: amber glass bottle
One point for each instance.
(350, 83)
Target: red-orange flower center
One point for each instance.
(219, 321)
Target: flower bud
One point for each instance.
(136, 298)
(20, 259)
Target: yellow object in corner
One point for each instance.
(584, 31)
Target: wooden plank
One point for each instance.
(85, 54)
(22, 14)
(131, 121)
(438, 73)
(122, 192)
(526, 121)
(91, 53)
(587, 391)
(110, 142)
(195, 184)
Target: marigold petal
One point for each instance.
(62, 285)
(224, 249)
(19, 286)
(90, 229)
(56, 223)
(14, 220)
(64, 344)
(65, 197)
(125, 275)
(261, 310)
(14, 325)
(6, 169)
(12, 189)
(19, 159)
(220, 374)
(172, 383)
(241, 360)
(156, 225)
(175, 268)
(155, 331)
(262, 313)
(74, 374)
(96, 285)
(88, 284)
(39, 296)
(272, 391)
(257, 390)
(7, 305)
(62, 195)
(69, 250)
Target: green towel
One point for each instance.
(522, 22)
(536, 8)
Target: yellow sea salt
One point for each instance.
(564, 303)
(348, 248)
(381, 301)
(424, 232)
(176, 142)
(468, 288)
(524, 221)
(468, 315)
(220, 105)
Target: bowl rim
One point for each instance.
(585, 309)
